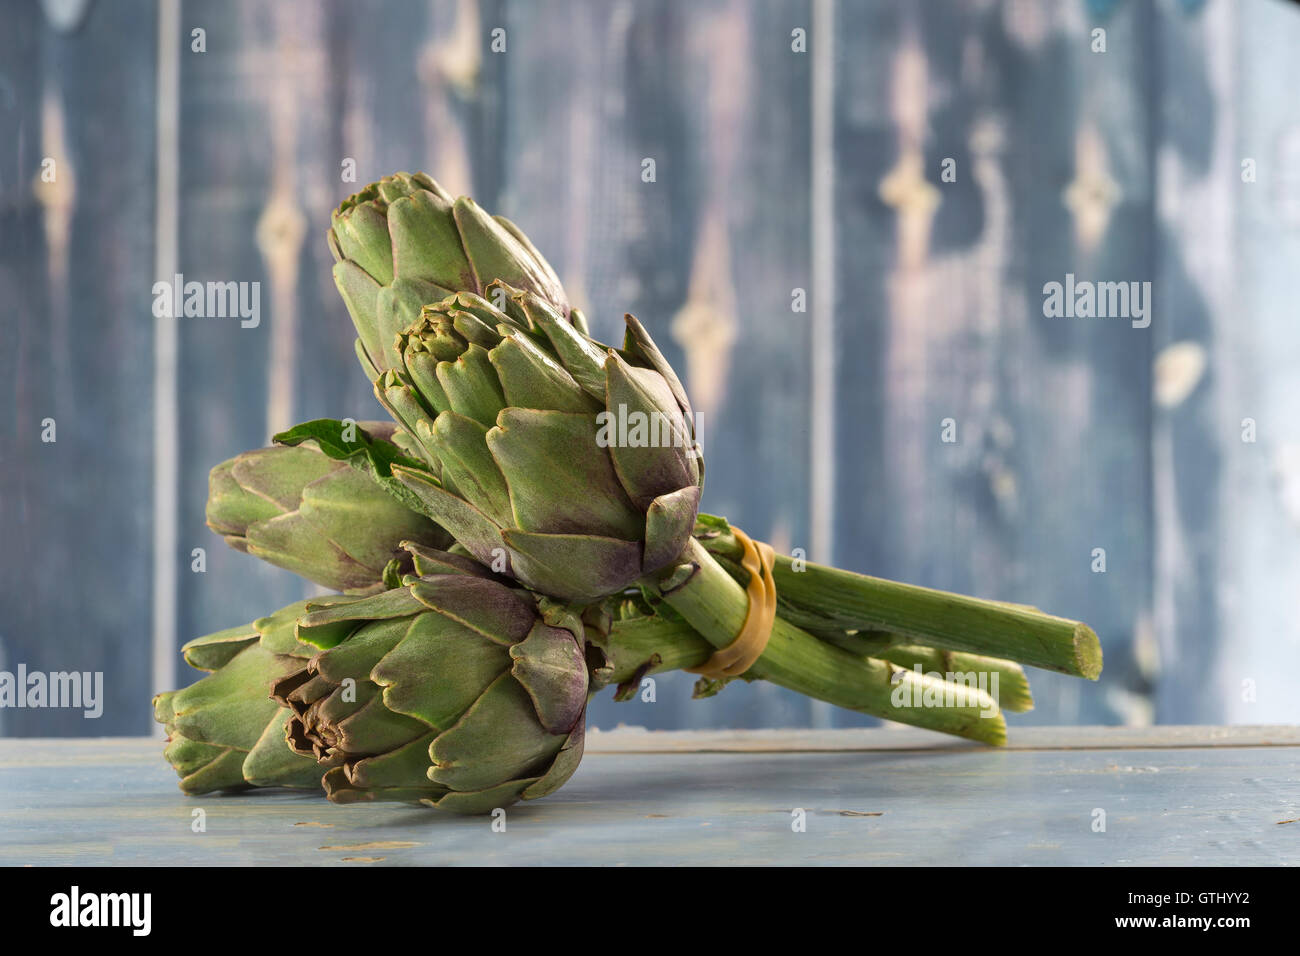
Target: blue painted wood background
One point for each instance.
(778, 168)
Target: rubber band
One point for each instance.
(748, 646)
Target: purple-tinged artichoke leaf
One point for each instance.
(550, 666)
(293, 542)
(561, 481)
(649, 442)
(501, 614)
(497, 740)
(366, 522)
(573, 567)
(668, 524)
(428, 561)
(638, 342)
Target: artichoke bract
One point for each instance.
(404, 242)
(300, 509)
(453, 691)
(567, 464)
(224, 731)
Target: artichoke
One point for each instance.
(224, 731)
(454, 691)
(319, 517)
(565, 463)
(569, 465)
(403, 242)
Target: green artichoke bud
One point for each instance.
(404, 242)
(453, 691)
(568, 464)
(300, 509)
(224, 731)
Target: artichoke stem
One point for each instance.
(715, 605)
(934, 618)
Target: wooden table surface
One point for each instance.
(1170, 796)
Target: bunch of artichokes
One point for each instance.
(525, 532)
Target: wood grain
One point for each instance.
(76, 265)
(1166, 802)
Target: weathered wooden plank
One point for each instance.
(1163, 806)
(1198, 180)
(75, 279)
(1225, 437)
(1256, 351)
(942, 324)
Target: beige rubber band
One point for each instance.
(738, 656)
